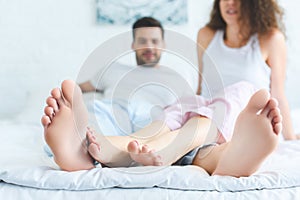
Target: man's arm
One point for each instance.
(87, 87)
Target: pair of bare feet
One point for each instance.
(71, 141)
(66, 132)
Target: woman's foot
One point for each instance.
(65, 124)
(255, 137)
(94, 148)
(143, 155)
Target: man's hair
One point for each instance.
(145, 22)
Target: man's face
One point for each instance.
(148, 44)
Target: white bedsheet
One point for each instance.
(23, 162)
(13, 192)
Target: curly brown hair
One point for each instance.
(258, 16)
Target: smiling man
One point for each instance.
(135, 95)
(148, 42)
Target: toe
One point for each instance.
(93, 146)
(51, 102)
(49, 111)
(133, 147)
(277, 128)
(91, 138)
(45, 120)
(57, 95)
(271, 105)
(158, 163)
(145, 149)
(273, 113)
(94, 151)
(277, 119)
(69, 90)
(157, 158)
(258, 101)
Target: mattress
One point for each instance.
(25, 168)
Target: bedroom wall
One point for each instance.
(44, 42)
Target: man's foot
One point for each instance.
(143, 155)
(65, 123)
(255, 137)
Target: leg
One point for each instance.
(166, 147)
(188, 137)
(98, 147)
(255, 137)
(173, 145)
(64, 129)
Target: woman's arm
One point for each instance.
(205, 35)
(273, 44)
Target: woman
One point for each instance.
(245, 41)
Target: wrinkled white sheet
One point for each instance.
(23, 162)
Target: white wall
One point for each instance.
(44, 42)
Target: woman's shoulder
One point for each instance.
(274, 36)
(271, 42)
(205, 36)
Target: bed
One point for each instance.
(26, 172)
(50, 48)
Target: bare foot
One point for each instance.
(255, 137)
(95, 150)
(143, 155)
(65, 122)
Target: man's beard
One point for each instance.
(144, 64)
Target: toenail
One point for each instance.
(136, 142)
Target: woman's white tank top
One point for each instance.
(223, 66)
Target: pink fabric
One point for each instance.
(222, 109)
